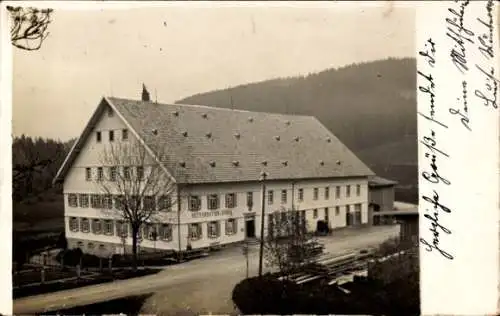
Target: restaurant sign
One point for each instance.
(212, 213)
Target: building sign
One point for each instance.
(212, 213)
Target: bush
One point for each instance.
(71, 257)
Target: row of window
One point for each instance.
(119, 228)
(357, 209)
(99, 201)
(111, 135)
(195, 231)
(149, 231)
(213, 201)
(125, 173)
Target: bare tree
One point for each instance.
(140, 187)
(29, 27)
(288, 244)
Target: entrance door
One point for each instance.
(250, 228)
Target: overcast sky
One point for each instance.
(180, 51)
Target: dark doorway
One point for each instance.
(250, 228)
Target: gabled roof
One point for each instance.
(207, 144)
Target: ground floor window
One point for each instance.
(122, 229)
(165, 232)
(213, 229)
(108, 227)
(231, 226)
(195, 232)
(73, 224)
(96, 226)
(149, 232)
(85, 225)
(315, 213)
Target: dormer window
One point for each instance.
(236, 163)
(212, 164)
(277, 138)
(155, 132)
(264, 163)
(175, 113)
(321, 162)
(204, 115)
(185, 134)
(285, 163)
(250, 119)
(237, 135)
(182, 164)
(209, 135)
(338, 162)
(297, 139)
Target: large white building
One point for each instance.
(215, 158)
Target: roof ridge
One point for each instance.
(214, 108)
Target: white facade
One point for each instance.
(180, 217)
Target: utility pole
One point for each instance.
(261, 250)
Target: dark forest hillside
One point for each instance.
(371, 107)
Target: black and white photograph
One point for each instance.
(218, 158)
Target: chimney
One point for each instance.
(145, 94)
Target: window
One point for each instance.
(315, 213)
(110, 111)
(270, 224)
(212, 201)
(121, 229)
(358, 190)
(195, 231)
(72, 200)
(213, 229)
(96, 226)
(194, 203)
(357, 207)
(337, 210)
(327, 193)
(250, 199)
(120, 202)
(73, 224)
(270, 197)
(100, 174)
(140, 173)
(149, 203)
(231, 200)
(283, 196)
(85, 225)
(348, 191)
(111, 136)
(126, 173)
(337, 192)
(83, 199)
(326, 214)
(90, 246)
(347, 208)
(88, 174)
(164, 203)
(301, 195)
(96, 201)
(165, 232)
(112, 173)
(107, 202)
(231, 226)
(98, 137)
(149, 232)
(108, 227)
(315, 193)
(124, 134)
